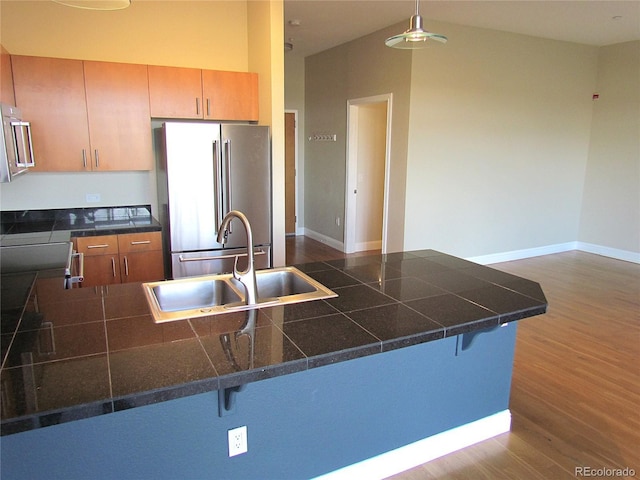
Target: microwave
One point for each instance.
(16, 147)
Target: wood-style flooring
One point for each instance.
(575, 395)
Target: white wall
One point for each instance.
(35, 191)
(498, 140)
(611, 207)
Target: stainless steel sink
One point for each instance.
(188, 295)
(282, 283)
(193, 297)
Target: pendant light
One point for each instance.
(415, 37)
(96, 4)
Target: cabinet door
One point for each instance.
(230, 95)
(101, 270)
(175, 92)
(142, 266)
(50, 92)
(101, 261)
(141, 258)
(118, 112)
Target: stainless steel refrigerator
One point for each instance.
(204, 171)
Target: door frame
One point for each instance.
(352, 169)
(297, 170)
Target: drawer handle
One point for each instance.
(101, 245)
(141, 242)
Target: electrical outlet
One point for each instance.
(338, 221)
(237, 441)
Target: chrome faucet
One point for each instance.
(246, 277)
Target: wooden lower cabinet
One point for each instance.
(101, 270)
(109, 259)
(141, 257)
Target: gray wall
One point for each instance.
(504, 149)
(363, 68)
(294, 101)
(299, 425)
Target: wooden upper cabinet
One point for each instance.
(230, 95)
(50, 93)
(119, 118)
(6, 78)
(85, 115)
(176, 92)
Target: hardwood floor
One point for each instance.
(575, 395)
(301, 249)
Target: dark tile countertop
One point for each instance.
(75, 222)
(72, 354)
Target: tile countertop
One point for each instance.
(92, 351)
(43, 226)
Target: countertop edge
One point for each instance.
(126, 402)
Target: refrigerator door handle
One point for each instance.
(227, 151)
(216, 181)
(183, 259)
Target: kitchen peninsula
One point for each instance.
(415, 344)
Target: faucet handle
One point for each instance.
(237, 274)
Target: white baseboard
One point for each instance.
(525, 253)
(616, 253)
(423, 451)
(332, 242)
(557, 248)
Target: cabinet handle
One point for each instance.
(101, 245)
(97, 158)
(197, 106)
(113, 266)
(84, 158)
(126, 266)
(208, 107)
(141, 242)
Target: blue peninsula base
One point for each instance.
(302, 425)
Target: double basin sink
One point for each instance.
(192, 297)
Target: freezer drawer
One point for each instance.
(212, 262)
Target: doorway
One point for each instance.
(368, 147)
(290, 156)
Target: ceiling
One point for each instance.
(326, 23)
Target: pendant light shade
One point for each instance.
(415, 37)
(96, 4)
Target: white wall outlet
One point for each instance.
(338, 221)
(237, 441)
(92, 197)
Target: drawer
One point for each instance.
(139, 242)
(102, 245)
